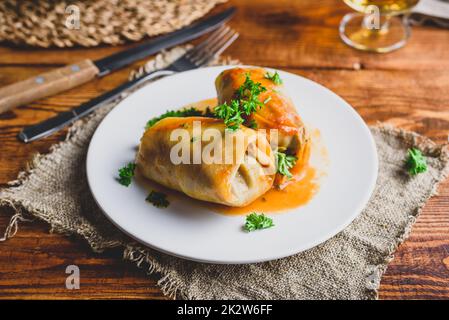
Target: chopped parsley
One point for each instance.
(209, 113)
(248, 95)
(246, 102)
(126, 174)
(256, 221)
(416, 162)
(284, 163)
(252, 124)
(158, 199)
(190, 112)
(274, 77)
(231, 114)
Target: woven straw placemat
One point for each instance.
(47, 23)
(347, 266)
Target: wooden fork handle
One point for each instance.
(46, 84)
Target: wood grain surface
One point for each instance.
(409, 88)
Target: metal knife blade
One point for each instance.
(123, 58)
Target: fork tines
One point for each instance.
(213, 46)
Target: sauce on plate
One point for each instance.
(296, 194)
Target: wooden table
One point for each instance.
(409, 88)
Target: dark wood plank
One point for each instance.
(34, 263)
(407, 88)
(420, 269)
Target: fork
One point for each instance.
(201, 55)
(195, 58)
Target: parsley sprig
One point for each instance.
(190, 112)
(158, 199)
(252, 124)
(256, 221)
(416, 162)
(274, 77)
(231, 114)
(284, 163)
(126, 174)
(246, 102)
(248, 95)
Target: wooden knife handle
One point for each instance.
(46, 84)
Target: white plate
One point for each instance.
(192, 232)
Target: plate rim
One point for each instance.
(311, 244)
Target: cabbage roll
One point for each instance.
(278, 113)
(249, 173)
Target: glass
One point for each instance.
(377, 27)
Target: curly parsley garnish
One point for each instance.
(416, 162)
(284, 163)
(246, 102)
(190, 112)
(252, 124)
(256, 221)
(158, 199)
(248, 95)
(274, 77)
(126, 174)
(231, 114)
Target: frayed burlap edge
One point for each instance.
(428, 147)
(23, 210)
(145, 258)
(133, 252)
(168, 284)
(173, 288)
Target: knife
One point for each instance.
(193, 59)
(63, 119)
(70, 76)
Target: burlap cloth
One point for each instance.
(348, 266)
(46, 23)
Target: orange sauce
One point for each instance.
(296, 194)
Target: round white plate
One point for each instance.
(189, 231)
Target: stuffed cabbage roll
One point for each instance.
(231, 176)
(278, 113)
